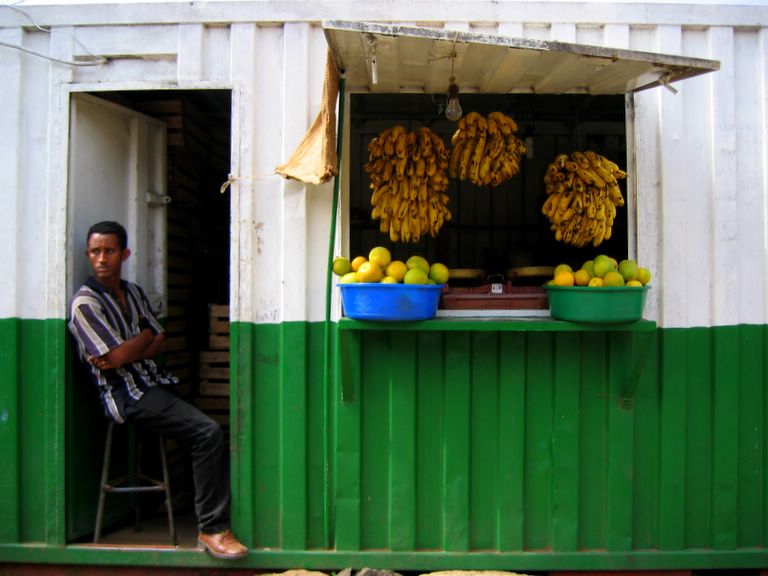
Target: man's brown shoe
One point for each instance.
(222, 545)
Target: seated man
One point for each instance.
(117, 337)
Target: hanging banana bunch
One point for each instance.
(582, 196)
(485, 151)
(408, 180)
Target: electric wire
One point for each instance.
(96, 60)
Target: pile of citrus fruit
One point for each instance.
(378, 266)
(602, 271)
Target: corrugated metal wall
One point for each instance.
(512, 450)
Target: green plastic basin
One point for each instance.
(604, 305)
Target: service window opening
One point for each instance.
(493, 229)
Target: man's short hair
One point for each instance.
(110, 227)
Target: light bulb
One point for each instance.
(453, 110)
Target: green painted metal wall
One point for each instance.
(466, 449)
(32, 368)
(510, 442)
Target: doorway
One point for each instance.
(194, 305)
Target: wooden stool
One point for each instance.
(134, 482)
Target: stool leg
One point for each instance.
(139, 441)
(167, 484)
(104, 478)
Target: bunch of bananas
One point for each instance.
(408, 179)
(485, 151)
(582, 196)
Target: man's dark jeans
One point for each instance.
(161, 410)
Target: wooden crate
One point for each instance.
(216, 408)
(214, 373)
(218, 329)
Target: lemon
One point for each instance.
(349, 278)
(635, 283)
(416, 275)
(613, 278)
(643, 276)
(389, 280)
(396, 270)
(419, 261)
(564, 278)
(602, 265)
(588, 266)
(357, 262)
(562, 268)
(380, 256)
(341, 266)
(439, 273)
(628, 269)
(581, 277)
(369, 272)
(595, 282)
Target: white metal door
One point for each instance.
(117, 171)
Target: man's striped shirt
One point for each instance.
(99, 324)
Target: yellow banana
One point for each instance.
(407, 172)
(456, 153)
(394, 235)
(583, 196)
(421, 167)
(431, 166)
(405, 229)
(466, 154)
(378, 193)
(400, 166)
(477, 156)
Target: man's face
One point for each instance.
(106, 257)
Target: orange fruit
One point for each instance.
(357, 262)
(595, 282)
(564, 278)
(396, 270)
(439, 273)
(341, 266)
(581, 277)
(418, 261)
(369, 272)
(416, 275)
(613, 278)
(380, 256)
(628, 269)
(602, 265)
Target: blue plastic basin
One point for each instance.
(390, 302)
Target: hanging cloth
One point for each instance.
(314, 161)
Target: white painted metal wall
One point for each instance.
(700, 164)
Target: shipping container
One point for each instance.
(488, 438)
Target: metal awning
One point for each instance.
(390, 58)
